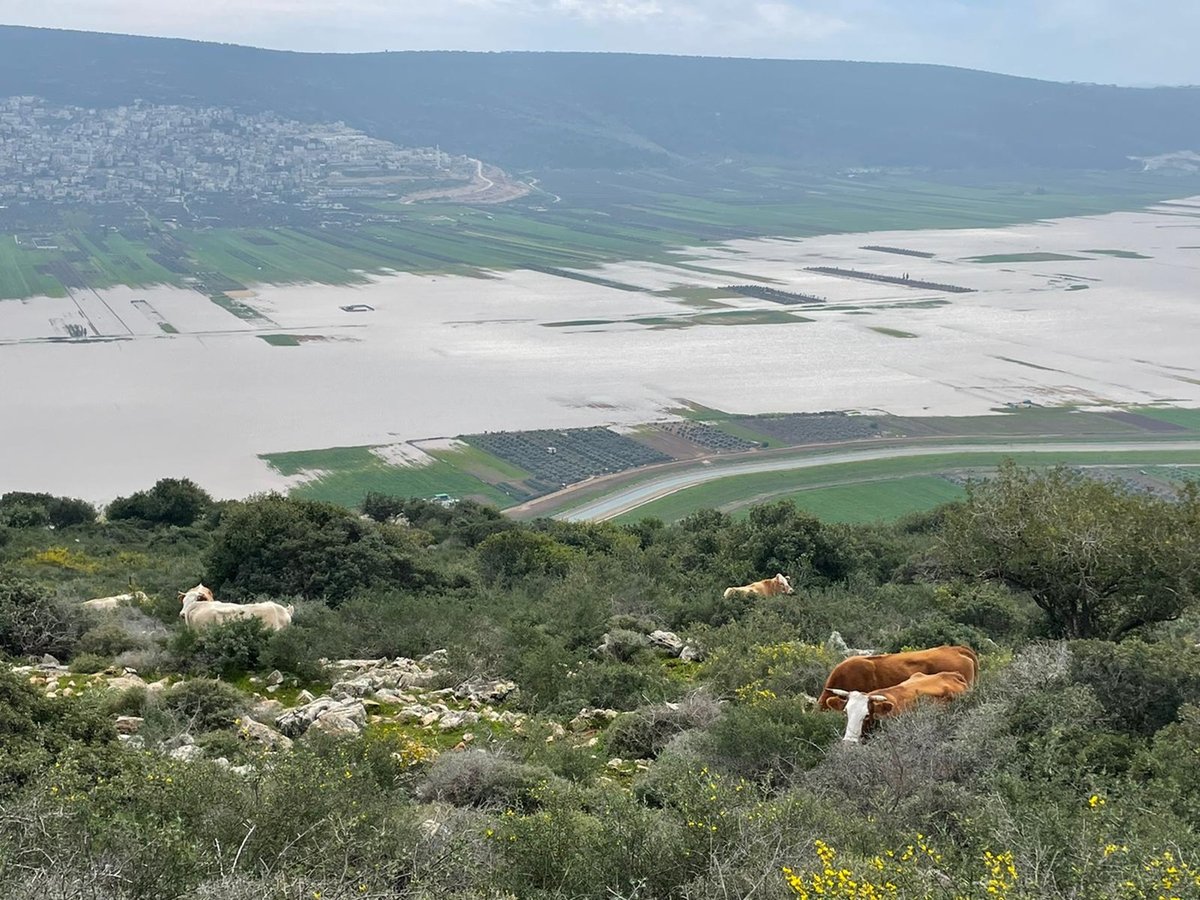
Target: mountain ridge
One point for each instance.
(611, 111)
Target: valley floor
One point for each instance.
(116, 387)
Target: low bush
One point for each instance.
(228, 649)
(33, 621)
(482, 778)
(204, 705)
(644, 733)
(771, 738)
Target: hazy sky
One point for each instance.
(1112, 41)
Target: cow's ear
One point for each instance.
(836, 702)
(883, 707)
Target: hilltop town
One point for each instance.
(188, 157)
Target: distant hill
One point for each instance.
(615, 111)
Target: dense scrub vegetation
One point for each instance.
(1069, 770)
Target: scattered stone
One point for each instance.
(272, 688)
(557, 732)
(414, 713)
(452, 720)
(305, 697)
(429, 718)
(592, 719)
(129, 724)
(691, 654)
(837, 646)
(275, 677)
(132, 741)
(359, 687)
(161, 685)
(125, 682)
(257, 733)
(345, 717)
(468, 737)
(49, 660)
(435, 659)
(667, 642)
(616, 763)
(480, 691)
(267, 711)
(186, 753)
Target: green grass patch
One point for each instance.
(873, 501)
(1187, 418)
(1023, 257)
(344, 475)
(1122, 254)
(738, 489)
(280, 340)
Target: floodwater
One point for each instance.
(167, 383)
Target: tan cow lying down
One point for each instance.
(200, 610)
(107, 604)
(874, 673)
(769, 587)
(863, 709)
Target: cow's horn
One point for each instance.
(878, 698)
(839, 692)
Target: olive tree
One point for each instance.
(1097, 558)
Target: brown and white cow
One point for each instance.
(200, 610)
(768, 587)
(873, 673)
(862, 709)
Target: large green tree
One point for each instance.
(1098, 559)
(283, 547)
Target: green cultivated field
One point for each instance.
(644, 215)
(349, 473)
(736, 489)
(876, 500)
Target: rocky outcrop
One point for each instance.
(263, 735)
(496, 690)
(837, 646)
(342, 717)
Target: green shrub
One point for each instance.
(482, 778)
(282, 547)
(204, 705)
(108, 639)
(89, 663)
(228, 649)
(644, 733)
(770, 738)
(1140, 686)
(172, 501)
(33, 621)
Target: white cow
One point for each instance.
(200, 610)
(108, 604)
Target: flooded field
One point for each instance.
(106, 391)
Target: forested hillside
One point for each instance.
(613, 111)
(464, 706)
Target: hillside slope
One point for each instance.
(609, 111)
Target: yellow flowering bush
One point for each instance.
(63, 558)
(915, 871)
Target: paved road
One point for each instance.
(640, 494)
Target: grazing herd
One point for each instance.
(867, 688)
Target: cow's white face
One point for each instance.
(199, 592)
(860, 709)
(782, 581)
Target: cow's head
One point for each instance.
(196, 594)
(781, 580)
(861, 711)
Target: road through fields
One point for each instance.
(636, 495)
